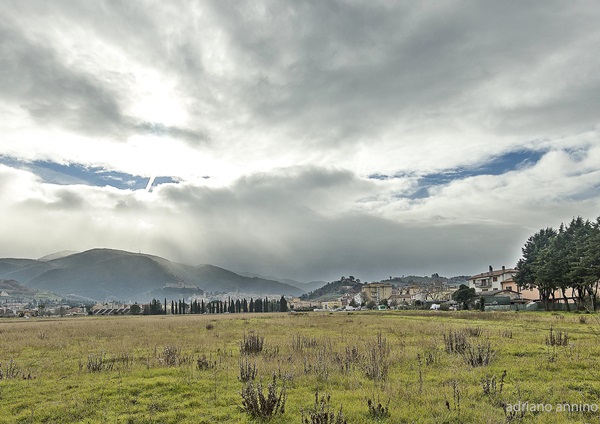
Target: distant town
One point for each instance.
(494, 289)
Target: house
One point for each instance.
(400, 299)
(304, 305)
(491, 280)
(376, 292)
(331, 305)
(526, 294)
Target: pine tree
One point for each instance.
(529, 268)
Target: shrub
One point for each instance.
(478, 356)
(348, 359)
(377, 364)
(321, 412)
(490, 388)
(474, 331)
(247, 370)
(170, 356)
(11, 371)
(251, 344)
(97, 363)
(299, 343)
(378, 411)
(557, 339)
(455, 342)
(257, 405)
(204, 363)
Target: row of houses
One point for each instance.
(497, 287)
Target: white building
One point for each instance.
(491, 280)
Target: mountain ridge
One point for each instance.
(103, 273)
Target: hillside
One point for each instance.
(114, 274)
(333, 290)
(418, 280)
(16, 290)
(13, 290)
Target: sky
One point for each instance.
(301, 139)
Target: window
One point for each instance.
(495, 279)
(509, 288)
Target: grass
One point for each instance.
(173, 369)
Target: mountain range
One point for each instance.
(102, 274)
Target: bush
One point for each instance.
(455, 342)
(257, 405)
(204, 363)
(97, 363)
(247, 370)
(557, 339)
(378, 411)
(251, 344)
(377, 363)
(321, 412)
(478, 356)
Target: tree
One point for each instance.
(283, 304)
(535, 252)
(464, 295)
(135, 309)
(579, 275)
(591, 260)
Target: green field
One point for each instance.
(173, 369)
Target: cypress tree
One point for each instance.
(283, 307)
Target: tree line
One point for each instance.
(180, 306)
(558, 260)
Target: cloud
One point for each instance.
(305, 138)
